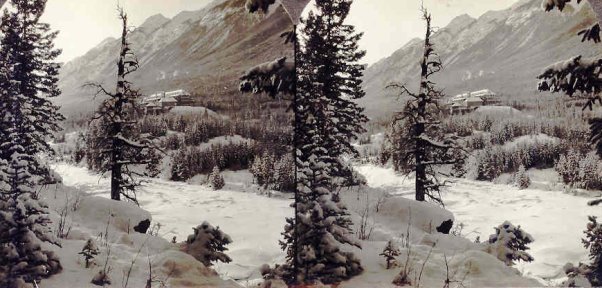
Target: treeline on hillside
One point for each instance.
(547, 135)
(198, 143)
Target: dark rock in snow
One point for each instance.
(446, 226)
(143, 226)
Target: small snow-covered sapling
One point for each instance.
(390, 252)
(509, 244)
(102, 278)
(216, 179)
(89, 251)
(521, 178)
(208, 244)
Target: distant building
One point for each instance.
(164, 101)
(468, 102)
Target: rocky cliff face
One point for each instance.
(503, 51)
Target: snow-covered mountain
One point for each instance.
(203, 51)
(502, 50)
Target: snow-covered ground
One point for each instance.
(555, 219)
(253, 221)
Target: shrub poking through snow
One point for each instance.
(390, 252)
(89, 251)
(588, 275)
(577, 276)
(509, 244)
(208, 244)
(101, 279)
(272, 277)
(521, 178)
(593, 242)
(216, 179)
(403, 278)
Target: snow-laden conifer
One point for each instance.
(28, 78)
(390, 253)
(208, 244)
(510, 244)
(216, 179)
(521, 178)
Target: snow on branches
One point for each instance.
(216, 180)
(390, 253)
(593, 242)
(28, 78)
(576, 75)
(208, 244)
(509, 244)
(416, 129)
(114, 139)
(273, 78)
(256, 5)
(327, 120)
(549, 5)
(588, 274)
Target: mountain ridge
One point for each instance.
(502, 50)
(203, 51)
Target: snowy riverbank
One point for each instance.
(255, 221)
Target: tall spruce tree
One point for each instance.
(423, 143)
(28, 78)
(117, 140)
(326, 121)
(336, 73)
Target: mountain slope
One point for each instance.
(202, 51)
(502, 50)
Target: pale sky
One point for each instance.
(388, 24)
(83, 24)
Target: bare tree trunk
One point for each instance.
(419, 127)
(116, 130)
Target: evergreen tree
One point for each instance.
(28, 78)
(208, 244)
(521, 178)
(424, 144)
(567, 167)
(509, 244)
(285, 178)
(326, 120)
(89, 251)
(390, 252)
(336, 75)
(119, 142)
(216, 179)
